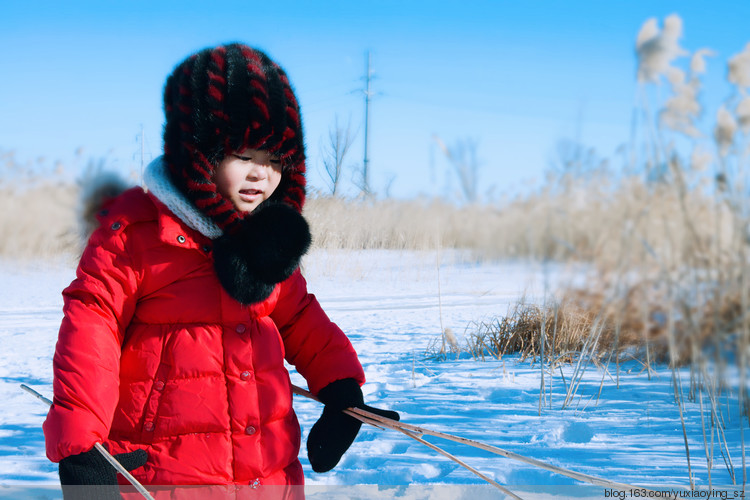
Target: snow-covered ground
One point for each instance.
(392, 305)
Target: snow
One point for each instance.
(624, 426)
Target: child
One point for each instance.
(188, 299)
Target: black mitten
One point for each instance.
(335, 431)
(92, 469)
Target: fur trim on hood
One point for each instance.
(97, 187)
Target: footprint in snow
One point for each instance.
(577, 432)
(571, 432)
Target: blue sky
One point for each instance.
(516, 77)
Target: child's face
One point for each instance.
(248, 178)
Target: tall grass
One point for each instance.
(670, 253)
(37, 211)
(587, 220)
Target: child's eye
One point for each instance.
(276, 160)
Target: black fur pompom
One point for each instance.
(265, 251)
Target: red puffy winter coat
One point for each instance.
(154, 354)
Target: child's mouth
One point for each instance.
(250, 194)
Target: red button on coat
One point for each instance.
(148, 426)
(250, 430)
(245, 375)
(240, 328)
(159, 385)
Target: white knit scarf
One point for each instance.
(160, 185)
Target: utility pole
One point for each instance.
(366, 161)
(141, 179)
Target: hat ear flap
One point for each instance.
(265, 251)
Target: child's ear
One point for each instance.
(265, 251)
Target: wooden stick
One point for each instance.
(420, 431)
(366, 420)
(107, 456)
(461, 463)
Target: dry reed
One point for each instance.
(582, 222)
(38, 220)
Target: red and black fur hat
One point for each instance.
(227, 99)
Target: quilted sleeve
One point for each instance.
(315, 345)
(98, 306)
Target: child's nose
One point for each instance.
(257, 173)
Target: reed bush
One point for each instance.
(636, 326)
(668, 246)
